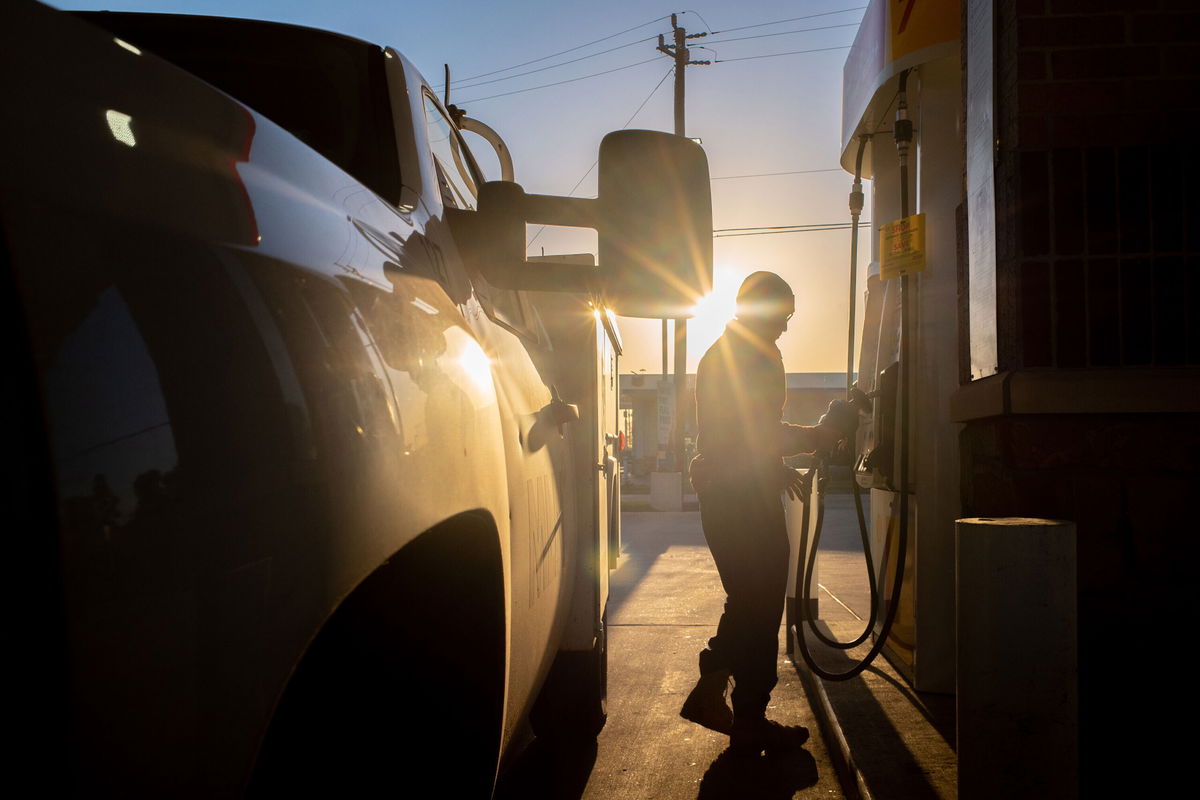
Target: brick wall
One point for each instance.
(1098, 189)
(1098, 258)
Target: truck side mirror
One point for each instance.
(656, 248)
(653, 217)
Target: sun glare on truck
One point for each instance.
(127, 46)
(475, 363)
(118, 124)
(426, 307)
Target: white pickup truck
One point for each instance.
(314, 484)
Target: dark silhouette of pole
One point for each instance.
(681, 55)
(664, 349)
(663, 381)
(679, 52)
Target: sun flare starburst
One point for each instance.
(714, 310)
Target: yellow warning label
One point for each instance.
(902, 247)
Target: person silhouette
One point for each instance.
(739, 476)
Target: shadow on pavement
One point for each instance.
(545, 771)
(938, 710)
(642, 551)
(882, 737)
(772, 777)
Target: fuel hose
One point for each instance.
(902, 133)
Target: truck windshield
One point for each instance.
(328, 90)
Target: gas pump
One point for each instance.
(898, 87)
(890, 416)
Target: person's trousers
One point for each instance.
(746, 532)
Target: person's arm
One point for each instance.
(838, 422)
(804, 439)
(795, 439)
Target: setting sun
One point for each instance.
(714, 310)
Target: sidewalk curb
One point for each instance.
(831, 730)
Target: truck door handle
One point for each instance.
(559, 411)
(553, 415)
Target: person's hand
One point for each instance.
(827, 437)
(797, 484)
(841, 417)
(838, 423)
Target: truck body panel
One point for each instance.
(260, 381)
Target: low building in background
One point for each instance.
(648, 414)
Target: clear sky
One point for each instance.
(754, 114)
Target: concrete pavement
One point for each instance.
(664, 603)
(871, 737)
(890, 741)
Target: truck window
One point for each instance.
(327, 90)
(451, 159)
(457, 181)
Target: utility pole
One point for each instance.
(679, 52)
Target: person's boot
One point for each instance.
(706, 704)
(751, 735)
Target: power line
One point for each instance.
(769, 174)
(707, 27)
(789, 53)
(554, 66)
(790, 19)
(568, 50)
(628, 122)
(559, 83)
(639, 63)
(771, 232)
(464, 82)
(784, 33)
(783, 227)
(774, 233)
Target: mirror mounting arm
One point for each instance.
(544, 276)
(573, 212)
(493, 238)
(653, 217)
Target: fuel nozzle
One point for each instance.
(846, 415)
(842, 415)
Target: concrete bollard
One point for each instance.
(666, 491)
(1018, 698)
